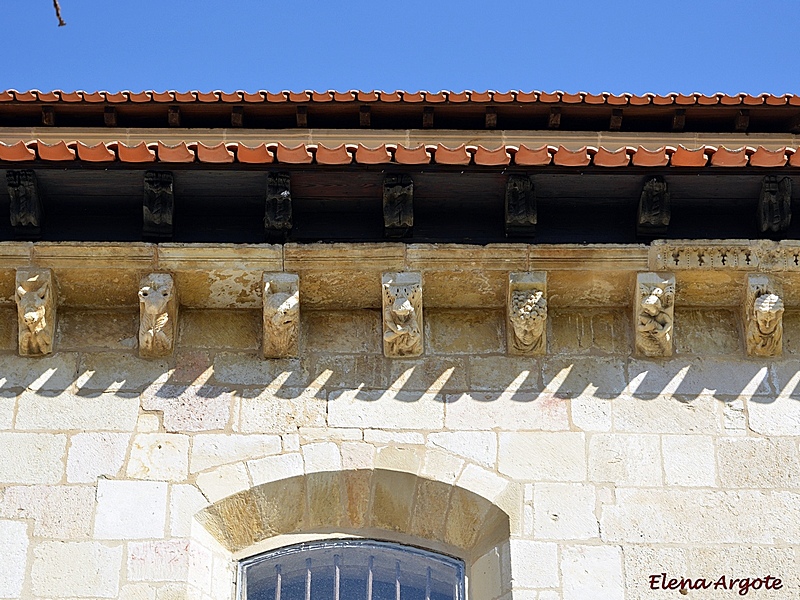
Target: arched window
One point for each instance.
(351, 569)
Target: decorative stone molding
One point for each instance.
(739, 255)
(158, 315)
(281, 315)
(654, 208)
(398, 205)
(775, 204)
(36, 309)
(653, 314)
(402, 314)
(526, 329)
(763, 316)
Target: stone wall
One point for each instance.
(574, 475)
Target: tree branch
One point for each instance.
(61, 21)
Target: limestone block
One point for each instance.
(281, 315)
(485, 576)
(281, 412)
(477, 446)
(53, 373)
(130, 509)
(589, 331)
(775, 416)
(28, 458)
(159, 560)
(316, 434)
(322, 456)
(643, 561)
(213, 450)
(219, 329)
(653, 314)
(441, 466)
(386, 410)
(511, 412)
(159, 456)
(92, 455)
(14, 550)
(483, 482)
(112, 372)
(223, 481)
(36, 308)
(291, 442)
(7, 403)
(379, 437)
(510, 373)
(762, 316)
(580, 288)
(245, 369)
(564, 511)
(706, 331)
(8, 329)
(190, 408)
(750, 561)
(403, 325)
(592, 572)
(184, 502)
(364, 371)
(734, 419)
(665, 414)
(689, 460)
(625, 459)
(599, 377)
(534, 564)
(158, 315)
(358, 455)
(591, 414)
(76, 569)
(462, 331)
(791, 332)
(758, 463)
(434, 374)
(550, 456)
(101, 329)
(61, 512)
(275, 468)
(526, 328)
(137, 591)
(109, 412)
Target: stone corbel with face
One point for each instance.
(763, 317)
(281, 315)
(654, 314)
(36, 309)
(158, 315)
(402, 314)
(526, 330)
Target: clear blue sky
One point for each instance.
(572, 45)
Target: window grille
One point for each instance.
(351, 570)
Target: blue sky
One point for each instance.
(617, 46)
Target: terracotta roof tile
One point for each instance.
(684, 99)
(139, 153)
(6, 96)
(230, 96)
(73, 97)
(572, 98)
(752, 100)
(480, 96)
(179, 153)
(794, 100)
(372, 156)
(280, 97)
(527, 97)
(16, 152)
(503, 96)
(372, 96)
(704, 100)
(391, 97)
(549, 97)
(650, 158)
(730, 100)
(47, 97)
(527, 157)
(94, 97)
(458, 97)
(641, 100)
(777, 100)
(794, 159)
(729, 158)
(498, 156)
(452, 156)
(139, 97)
(768, 158)
(607, 158)
(30, 96)
(54, 152)
(163, 97)
(660, 100)
(594, 98)
(571, 158)
(259, 155)
(412, 156)
(218, 154)
(683, 157)
(436, 98)
(413, 97)
(208, 96)
(97, 153)
(297, 155)
(618, 100)
(117, 97)
(254, 97)
(333, 156)
(321, 97)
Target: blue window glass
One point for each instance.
(351, 570)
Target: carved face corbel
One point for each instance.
(36, 311)
(654, 314)
(158, 315)
(526, 328)
(281, 315)
(402, 314)
(763, 316)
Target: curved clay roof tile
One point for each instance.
(372, 156)
(458, 97)
(608, 158)
(333, 156)
(768, 158)
(55, 152)
(259, 155)
(412, 156)
(451, 156)
(650, 158)
(179, 153)
(139, 97)
(218, 154)
(683, 157)
(97, 153)
(571, 158)
(532, 157)
(496, 157)
(729, 158)
(16, 152)
(139, 153)
(297, 155)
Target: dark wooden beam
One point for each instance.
(521, 214)
(110, 116)
(302, 117)
(398, 206)
(679, 119)
(491, 117)
(794, 124)
(615, 124)
(554, 121)
(278, 210)
(365, 116)
(742, 121)
(26, 206)
(654, 209)
(174, 116)
(48, 116)
(158, 206)
(237, 116)
(775, 204)
(427, 117)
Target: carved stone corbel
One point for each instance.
(654, 208)
(763, 316)
(398, 206)
(158, 315)
(278, 210)
(526, 329)
(281, 315)
(775, 204)
(36, 309)
(26, 206)
(653, 314)
(158, 206)
(521, 216)
(402, 314)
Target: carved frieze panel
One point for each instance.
(25, 208)
(739, 255)
(653, 314)
(521, 215)
(775, 204)
(159, 204)
(278, 209)
(36, 309)
(398, 205)
(281, 315)
(158, 315)
(763, 316)
(654, 208)
(526, 328)
(402, 314)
